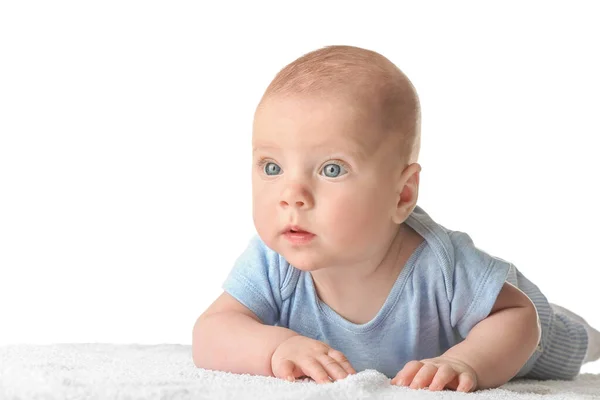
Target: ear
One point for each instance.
(408, 192)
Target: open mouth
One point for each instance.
(297, 231)
(298, 236)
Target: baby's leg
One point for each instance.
(593, 350)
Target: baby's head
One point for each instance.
(336, 139)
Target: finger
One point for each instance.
(424, 376)
(286, 369)
(445, 374)
(333, 369)
(342, 360)
(315, 370)
(466, 382)
(406, 374)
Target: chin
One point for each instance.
(302, 259)
(304, 266)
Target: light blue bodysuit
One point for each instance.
(447, 286)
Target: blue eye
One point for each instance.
(333, 170)
(272, 169)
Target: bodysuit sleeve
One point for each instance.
(255, 281)
(477, 280)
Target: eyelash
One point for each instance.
(263, 160)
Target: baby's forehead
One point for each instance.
(349, 144)
(300, 134)
(328, 120)
(381, 102)
(315, 112)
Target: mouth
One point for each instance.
(295, 229)
(297, 235)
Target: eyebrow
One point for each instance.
(354, 149)
(264, 146)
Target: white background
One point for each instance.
(125, 147)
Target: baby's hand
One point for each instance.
(437, 373)
(301, 356)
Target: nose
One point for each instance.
(296, 195)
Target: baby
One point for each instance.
(347, 273)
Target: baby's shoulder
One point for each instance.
(467, 253)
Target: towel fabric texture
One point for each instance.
(112, 371)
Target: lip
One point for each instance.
(300, 236)
(295, 228)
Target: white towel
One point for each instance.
(109, 371)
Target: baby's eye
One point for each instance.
(332, 170)
(271, 168)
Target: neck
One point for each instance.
(343, 285)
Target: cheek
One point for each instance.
(358, 215)
(262, 210)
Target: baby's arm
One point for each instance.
(494, 350)
(230, 337)
(497, 347)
